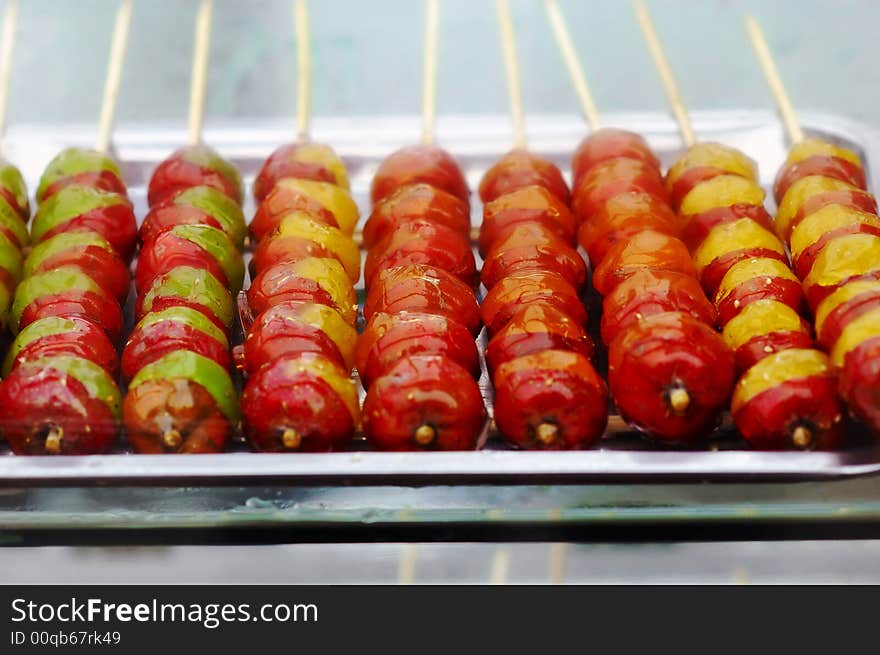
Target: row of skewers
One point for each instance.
(702, 310)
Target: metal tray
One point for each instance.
(477, 141)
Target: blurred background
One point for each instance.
(367, 57)
(367, 61)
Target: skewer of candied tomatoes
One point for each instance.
(417, 357)
(830, 223)
(299, 350)
(176, 362)
(14, 205)
(670, 374)
(61, 369)
(547, 393)
(786, 393)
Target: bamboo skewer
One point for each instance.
(573, 64)
(558, 557)
(7, 44)
(508, 45)
(114, 75)
(303, 69)
(500, 567)
(406, 568)
(198, 79)
(429, 73)
(665, 71)
(774, 80)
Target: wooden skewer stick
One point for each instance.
(774, 80)
(508, 44)
(573, 64)
(199, 78)
(665, 71)
(406, 568)
(558, 557)
(429, 73)
(303, 69)
(500, 567)
(10, 19)
(114, 75)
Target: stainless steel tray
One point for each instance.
(477, 141)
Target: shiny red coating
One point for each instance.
(41, 399)
(430, 392)
(660, 354)
(856, 198)
(519, 169)
(166, 215)
(274, 335)
(698, 226)
(532, 247)
(86, 340)
(606, 144)
(425, 243)
(531, 205)
(621, 218)
(613, 177)
(104, 180)
(416, 202)
(550, 400)
(414, 164)
(647, 293)
(176, 173)
(860, 382)
(426, 290)
(647, 250)
(280, 396)
(282, 201)
(154, 341)
(104, 267)
(517, 289)
(788, 292)
(805, 259)
(168, 251)
(276, 284)
(97, 307)
(764, 345)
(767, 421)
(714, 273)
(844, 313)
(388, 338)
(282, 164)
(823, 165)
(280, 249)
(534, 328)
(116, 223)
